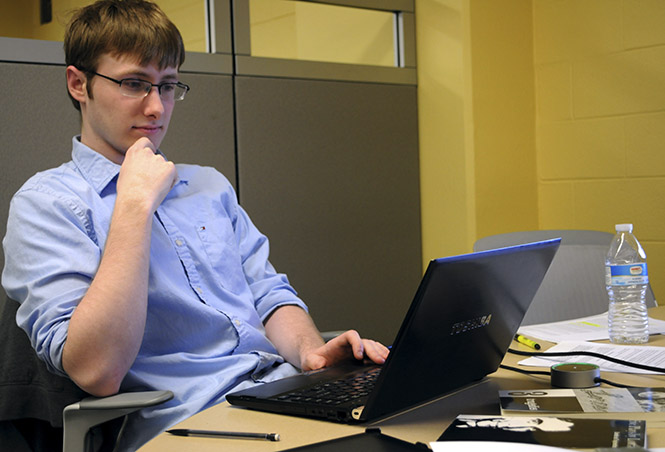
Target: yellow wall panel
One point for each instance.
(262, 11)
(21, 19)
(645, 145)
(556, 202)
(345, 35)
(643, 22)
(16, 19)
(272, 29)
(627, 82)
(503, 116)
(54, 31)
(189, 17)
(602, 204)
(446, 163)
(608, 156)
(554, 78)
(581, 149)
(317, 32)
(566, 29)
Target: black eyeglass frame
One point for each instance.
(159, 86)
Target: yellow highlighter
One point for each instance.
(526, 341)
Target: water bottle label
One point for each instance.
(626, 275)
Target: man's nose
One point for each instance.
(154, 103)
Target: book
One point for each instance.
(588, 400)
(548, 431)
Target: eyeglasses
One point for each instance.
(135, 87)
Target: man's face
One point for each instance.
(111, 121)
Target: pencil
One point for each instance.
(220, 434)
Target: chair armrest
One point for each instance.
(81, 416)
(125, 400)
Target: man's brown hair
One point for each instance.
(134, 28)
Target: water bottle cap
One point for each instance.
(626, 227)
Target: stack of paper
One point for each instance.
(640, 354)
(593, 328)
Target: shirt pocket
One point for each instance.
(220, 246)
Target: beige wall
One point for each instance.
(318, 32)
(558, 106)
(477, 121)
(503, 103)
(20, 19)
(447, 175)
(16, 21)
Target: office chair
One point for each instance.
(574, 286)
(41, 411)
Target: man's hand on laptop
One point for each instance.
(348, 345)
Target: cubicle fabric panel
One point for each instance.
(202, 125)
(329, 171)
(38, 122)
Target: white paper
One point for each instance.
(592, 328)
(640, 354)
(493, 446)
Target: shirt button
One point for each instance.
(178, 242)
(199, 290)
(237, 322)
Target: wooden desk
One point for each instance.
(423, 424)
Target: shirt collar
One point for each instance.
(95, 168)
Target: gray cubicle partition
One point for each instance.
(202, 125)
(37, 123)
(329, 171)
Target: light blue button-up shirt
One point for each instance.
(211, 285)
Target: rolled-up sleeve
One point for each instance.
(51, 255)
(269, 288)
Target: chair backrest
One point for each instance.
(31, 397)
(574, 286)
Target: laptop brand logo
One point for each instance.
(472, 324)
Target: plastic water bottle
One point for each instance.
(627, 280)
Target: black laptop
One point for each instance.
(457, 330)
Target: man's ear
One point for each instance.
(77, 84)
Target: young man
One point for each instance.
(134, 273)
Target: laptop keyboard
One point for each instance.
(335, 392)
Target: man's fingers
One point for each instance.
(376, 351)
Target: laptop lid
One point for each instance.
(460, 323)
(456, 331)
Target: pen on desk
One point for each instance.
(219, 434)
(526, 341)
